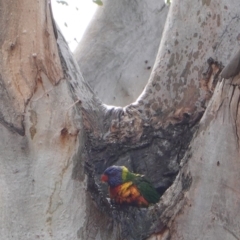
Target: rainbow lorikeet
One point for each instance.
(129, 188)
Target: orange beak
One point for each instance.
(104, 178)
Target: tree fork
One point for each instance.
(151, 145)
(42, 179)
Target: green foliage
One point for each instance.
(62, 2)
(98, 2)
(168, 2)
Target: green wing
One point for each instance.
(146, 189)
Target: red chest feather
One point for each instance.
(127, 194)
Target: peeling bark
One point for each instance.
(28, 49)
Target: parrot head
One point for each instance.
(114, 175)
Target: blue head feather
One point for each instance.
(114, 174)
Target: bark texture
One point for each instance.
(28, 48)
(39, 130)
(177, 93)
(63, 129)
(212, 203)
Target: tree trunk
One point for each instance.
(121, 43)
(39, 130)
(54, 130)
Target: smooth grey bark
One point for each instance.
(212, 208)
(118, 50)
